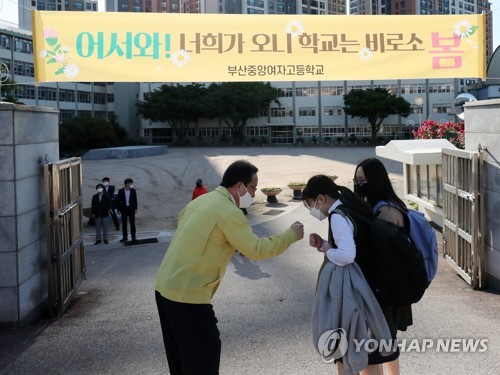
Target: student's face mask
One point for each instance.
(361, 188)
(99, 190)
(316, 213)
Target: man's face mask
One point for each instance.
(246, 199)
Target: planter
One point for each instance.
(297, 189)
(271, 194)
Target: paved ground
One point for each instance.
(263, 307)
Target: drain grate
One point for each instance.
(141, 242)
(273, 212)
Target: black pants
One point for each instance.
(191, 337)
(128, 213)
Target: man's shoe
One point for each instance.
(123, 240)
(97, 242)
(134, 239)
(106, 242)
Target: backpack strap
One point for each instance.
(379, 204)
(376, 208)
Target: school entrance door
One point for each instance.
(282, 135)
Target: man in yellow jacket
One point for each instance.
(210, 228)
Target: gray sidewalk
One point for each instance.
(263, 310)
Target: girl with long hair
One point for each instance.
(372, 184)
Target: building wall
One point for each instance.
(482, 127)
(29, 137)
(73, 99)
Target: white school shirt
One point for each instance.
(343, 235)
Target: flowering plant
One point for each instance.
(452, 131)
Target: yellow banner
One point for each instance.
(159, 47)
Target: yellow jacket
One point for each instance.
(210, 228)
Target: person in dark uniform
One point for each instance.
(101, 204)
(127, 205)
(110, 190)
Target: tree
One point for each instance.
(82, 133)
(236, 102)
(177, 105)
(375, 105)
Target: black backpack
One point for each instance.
(397, 274)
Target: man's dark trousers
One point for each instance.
(128, 213)
(191, 337)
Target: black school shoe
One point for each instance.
(123, 240)
(98, 242)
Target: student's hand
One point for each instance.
(298, 229)
(315, 240)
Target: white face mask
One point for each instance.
(131, 186)
(105, 183)
(99, 190)
(246, 200)
(316, 213)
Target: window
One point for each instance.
(263, 113)
(83, 97)
(333, 131)
(47, 93)
(257, 131)
(25, 92)
(23, 46)
(24, 69)
(306, 91)
(99, 98)
(66, 95)
(66, 114)
(208, 132)
(110, 98)
(4, 41)
(281, 112)
(333, 111)
(441, 108)
(285, 92)
(307, 111)
(100, 114)
(83, 113)
(332, 91)
(308, 132)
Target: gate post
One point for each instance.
(29, 137)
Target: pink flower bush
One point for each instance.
(452, 131)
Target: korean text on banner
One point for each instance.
(159, 47)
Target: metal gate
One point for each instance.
(63, 191)
(462, 231)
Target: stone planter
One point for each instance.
(271, 194)
(297, 190)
